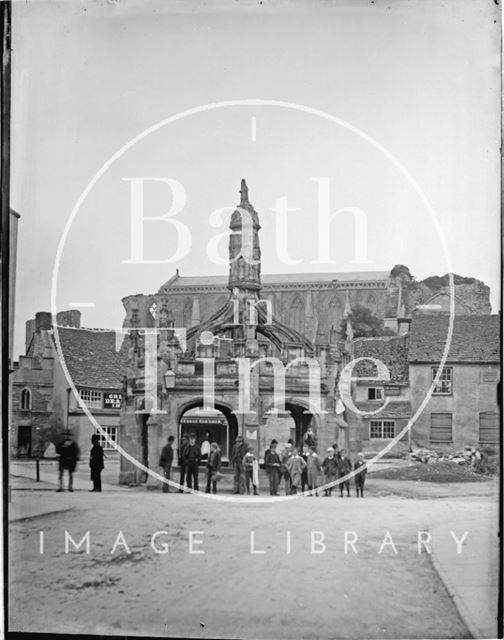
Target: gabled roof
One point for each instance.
(392, 351)
(474, 338)
(91, 357)
(177, 282)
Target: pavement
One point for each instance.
(470, 576)
(23, 478)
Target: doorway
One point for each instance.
(24, 441)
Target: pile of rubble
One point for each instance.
(430, 456)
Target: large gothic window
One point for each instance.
(187, 313)
(371, 304)
(334, 315)
(296, 318)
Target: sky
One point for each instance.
(413, 86)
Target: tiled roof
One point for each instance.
(400, 409)
(474, 338)
(279, 278)
(91, 357)
(392, 351)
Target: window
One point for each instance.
(25, 398)
(488, 427)
(441, 427)
(444, 386)
(111, 433)
(375, 393)
(297, 315)
(382, 429)
(93, 399)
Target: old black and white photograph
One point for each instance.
(251, 302)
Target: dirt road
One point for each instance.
(303, 585)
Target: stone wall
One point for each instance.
(472, 394)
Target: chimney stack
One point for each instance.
(71, 318)
(43, 320)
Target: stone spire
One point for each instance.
(244, 201)
(244, 249)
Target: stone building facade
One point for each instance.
(43, 403)
(295, 321)
(463, 409)
(307, 310)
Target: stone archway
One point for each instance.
(222, 424)
(297, 422)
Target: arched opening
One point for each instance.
(26, 399)
(216, 425)
(284, 426)
(302, 420)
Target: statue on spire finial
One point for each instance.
(243, 193)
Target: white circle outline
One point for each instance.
(238, 103)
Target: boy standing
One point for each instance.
(296, 467)
(314, 469)
(344, 467)
(330, 466)
(248, 466)
(213, 467)
(360, 477)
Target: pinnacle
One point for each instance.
(243, 193)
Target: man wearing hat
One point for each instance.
(68, 455)
(237, 455)
(192, 457)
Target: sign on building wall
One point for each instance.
(112, 400)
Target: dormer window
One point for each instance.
(375, 393)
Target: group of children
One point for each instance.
(306, 470)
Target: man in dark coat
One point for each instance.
(237, 455)
(166, 461)
(344, 467)
(96, 462)
(272, 465)
(192, 457)
(68, 455)
(184, 442)
(304, 476)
